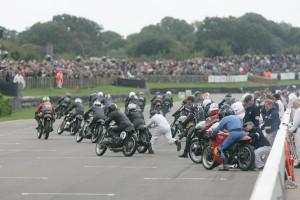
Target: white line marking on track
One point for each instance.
(30, 150)
(68, 194)
(186, 179)
(66, 157)
(23, 177)
(9, 143)
(120, 167)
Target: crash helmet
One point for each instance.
(112, 107)
(131, 94)
(46, 99)
(78, 100)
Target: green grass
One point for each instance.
(27, 113)
(83, 92)
(217, 85)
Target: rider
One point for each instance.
(226, 101)
(137, 118)
(96, 112)
(155, 100)
(132, 98)
(101, 98)
(233, 125)
(63, 102)
(77, 107)
(46, 105)
(93, 97)
(198, 98)
(142, 100)
(121, 120)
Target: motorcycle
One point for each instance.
(73, 126)
(94, 134)
(61, 110)
(240, 154)
(143, 136)
(166, 106)
(199, 137)
(45, 126)
(125, 142)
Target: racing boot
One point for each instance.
(178, 144)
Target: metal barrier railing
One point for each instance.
(270, 184)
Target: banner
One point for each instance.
(131, 83)
(227, 79)
(287, 76)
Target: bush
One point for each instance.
(5, 107)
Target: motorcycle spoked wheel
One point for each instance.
(47, 128)
(39, 133)
(100, 148)
(246, 157)
(79, 136)
(61, 127)
(208, 158)
(96, 134)
(196, 151)
(129, 145)
(143, 140)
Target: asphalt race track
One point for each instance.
(61, 169)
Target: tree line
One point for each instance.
(70, 36)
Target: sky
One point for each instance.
(129, 16)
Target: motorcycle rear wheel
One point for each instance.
(129, 146)
(246, 157)
(100, 149)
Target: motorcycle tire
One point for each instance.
(208, 159)
(95, 136)
(47, 129)
(39, 133)
(246, 157)
(196, 151)
(143, 147)
(79, 137)
(61, 127)
(130, 146)
(100, 149)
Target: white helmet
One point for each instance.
(97, 103)
(132, 106)
(169, 93)
(78, 100)
(131, 94)
(238, 109)
(100, 94)
(108, 96)
(213, 107)
(206, 102)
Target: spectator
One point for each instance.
(20, 80)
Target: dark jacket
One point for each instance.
(136, 117)
(192, 114)
(96, 111)
(252, 114)
(119, 118)
(271, 119)
(78, 107)
(93, 97)
(258, 138)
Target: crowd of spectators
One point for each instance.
(105, 67)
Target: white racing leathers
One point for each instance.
(295, 129)
(161, 127)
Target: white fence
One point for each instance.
(227, 79)
(270, 184)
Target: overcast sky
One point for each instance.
(129, 16)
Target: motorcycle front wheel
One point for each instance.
(129, 146)
(208, 158)
(61, 127)
(196, 151)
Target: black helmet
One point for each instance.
(112, 107)
(197, 93)
(225, 111)
(153, 112)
